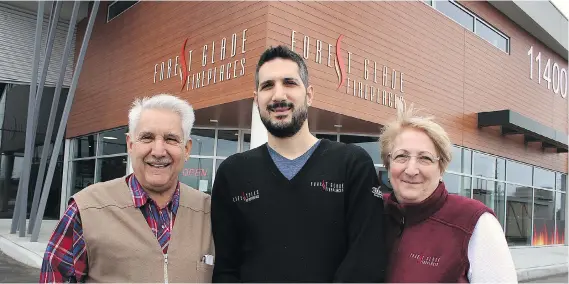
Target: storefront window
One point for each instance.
(492, 194)
(500, 169)
(111, 168)
(246, 145)
(85, 146)
(203, 141)
(466, 161)
(227, 141)
(368, 143)
(543, 178)
(484, 165)
(519, 213)
(331, 137)
(544, 221)
(456, 161)
(561, 182)
(560, 217)
(84, 174)
(518, 173)
(456, 184)
(197, 174)
(112, 142)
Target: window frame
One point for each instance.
(113, 3)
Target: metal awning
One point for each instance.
(512, 122)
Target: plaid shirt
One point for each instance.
(65, 258)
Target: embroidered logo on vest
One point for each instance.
(328, 186)
(426, 260)
(376, 192)
(246, 196)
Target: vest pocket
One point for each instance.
(204, 272)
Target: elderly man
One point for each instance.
(147, 226)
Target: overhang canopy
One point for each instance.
(512, 122)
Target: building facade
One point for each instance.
(498, 88)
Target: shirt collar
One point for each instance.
(140, 197)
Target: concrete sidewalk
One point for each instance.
(531, 262)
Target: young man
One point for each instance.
(147, 226)
(297, 209)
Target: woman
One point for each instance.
(434, 236)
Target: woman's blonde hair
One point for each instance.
(407, 119)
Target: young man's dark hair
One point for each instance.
(282, 52)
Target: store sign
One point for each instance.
(201, 67)
(377, 83)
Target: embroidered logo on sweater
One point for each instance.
(426, 260)
(246, 196)
(377, 192)
(327, 186)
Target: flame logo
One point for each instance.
(184, 71)
(323, 185)
(339, 63)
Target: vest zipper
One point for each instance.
(166, 268)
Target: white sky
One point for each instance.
(562, 5)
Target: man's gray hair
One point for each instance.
(165, 102)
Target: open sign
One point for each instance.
(194, 172)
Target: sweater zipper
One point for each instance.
(166, 268)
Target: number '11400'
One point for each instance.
(555, 76)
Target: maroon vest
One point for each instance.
(428, 241)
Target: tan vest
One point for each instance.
(121, 247)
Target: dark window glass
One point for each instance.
(227, 142)
(518, 173)
(491, 36)
(492, 194)
(456, 13)
(117, 7)
(203, 142)
(83, 175)
(246, 142)
(484, 165)
(368, 143)
(518, 214)
(331, 137)
(456, 184)
(85, 146)
(544, 220)
(560, 217)
(543, 178)
(112, 142)
(197, 174)
(112, 168)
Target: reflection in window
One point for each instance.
(203, 142)
(456, 13)
(85, 146)
(227, 142)
(519, 214)
(561, 182)
(112, 168)
(543, 178)
(544, 221)
(83, 175)
(518, 173)
(492, 194)
(466, 161)
(331, 137)
(368, 143)
(484, 165)
(456, 161)
(560, 217)
(456, 184)
(246, 145)
(500, 169)
(197, 174)
(112, 142)
(491, 36)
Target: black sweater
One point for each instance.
(324, 225)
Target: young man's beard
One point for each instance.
(286, 129)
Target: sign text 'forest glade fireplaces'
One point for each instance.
(379, 85)
(207, 60)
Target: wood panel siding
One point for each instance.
(121, 56)
(449, 72)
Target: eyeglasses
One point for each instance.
(147, 138)
(424, 158)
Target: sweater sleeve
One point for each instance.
(226, 236)
(365, 259)
(488, 253)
